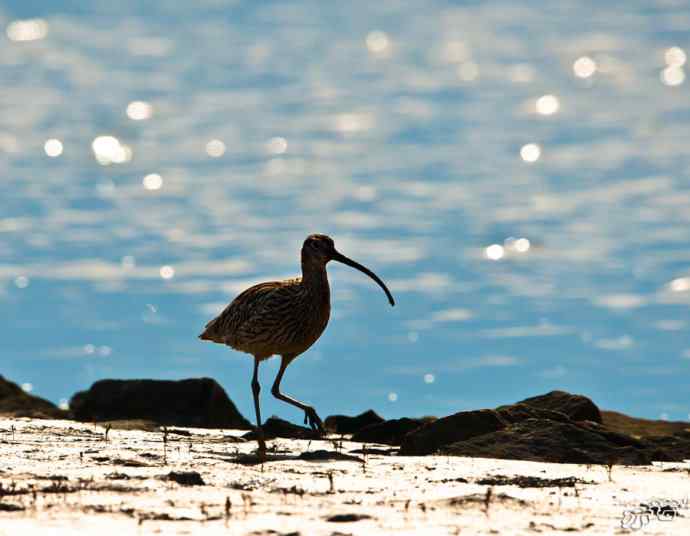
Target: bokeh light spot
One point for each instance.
(53, 147)
(152, 181)
(547, 105)
(522, 245)
(277, 145)
(494, 252)
(681, 284)
(27, 30)
(108, 150)
(675, 57)
(167, 272)
(139, 110)
(378, 43)
(672, 76)
(215, 148)
(584, 67)
(530, 152)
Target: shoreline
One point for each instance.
(64, 476)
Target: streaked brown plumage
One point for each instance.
(283, 318)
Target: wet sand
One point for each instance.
(65, 477)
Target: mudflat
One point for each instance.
(67, 477)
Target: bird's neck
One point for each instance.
(315, 279)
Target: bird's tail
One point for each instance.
(210, 332)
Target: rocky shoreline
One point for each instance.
(66, 477)
(556, 427)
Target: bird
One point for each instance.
(284, 318)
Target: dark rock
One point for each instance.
(15, 402)
(551, 441)
(275, 427)
(347, 518)
(344, 424)
(9, 507)
(328, 455)
(389, 432)
(676, 447)
(556, 427)
(481, 499)
(577, 407)
(198, 402)
(526, 481)
(520, 412)
(374, 451)
(457, 427)
(186, 478)
(619, 422)
(621, 440)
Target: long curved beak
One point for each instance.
(336, 256)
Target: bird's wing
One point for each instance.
(232, 324)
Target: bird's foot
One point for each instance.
(314, 421)
(261, 452)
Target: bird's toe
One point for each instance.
(313, 419)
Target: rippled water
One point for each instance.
(518, 172)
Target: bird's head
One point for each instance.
(319, 249)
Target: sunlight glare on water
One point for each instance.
(517, 174)
(53, 147)
(27, 30)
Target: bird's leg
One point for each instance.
(310, 415)
(256, 389)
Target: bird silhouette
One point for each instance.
(284, 318)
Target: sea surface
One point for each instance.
(517, 172)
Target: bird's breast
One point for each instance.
(313, 321)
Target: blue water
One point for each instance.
(395, 127)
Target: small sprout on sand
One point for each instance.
(165, 445)
(487, 500)
(609, 470)
(337, 444)
(228, 507)
(330, 481)
(13, 430)
(108, 427)
(247, 502)
(407, 505)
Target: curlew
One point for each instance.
(284, 318)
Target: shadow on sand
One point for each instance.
(312, 456)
